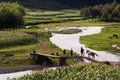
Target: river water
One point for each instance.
(14, 75)
(8, 76)
(70, 41)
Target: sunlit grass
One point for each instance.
(20, 53)
(102, 41)
(13, 38)
(80, 71)
(79, 23)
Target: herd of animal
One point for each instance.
(114, 36)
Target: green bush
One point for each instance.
(78, 72)
(11, 15)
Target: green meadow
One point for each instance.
(102, 41)
(17, 44)
(29, 27)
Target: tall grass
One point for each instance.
(78, 72)
(12, 38)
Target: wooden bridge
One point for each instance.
(44, 59)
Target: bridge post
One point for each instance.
(62, 61)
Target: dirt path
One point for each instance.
(11, 69)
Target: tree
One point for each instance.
(108, 12)
(11, 15)
(85, 12)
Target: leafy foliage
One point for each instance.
(60, 4)
(11, 15)
(77, 72)
(107, 12)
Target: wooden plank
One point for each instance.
(90, 59)
(48, 55)
(67, 57)
(63, 59)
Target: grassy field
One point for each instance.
(45, 17)
(12, 38)
(80, 23)
(102, 41)
(17, 54)
(61, 18)
(80, 71)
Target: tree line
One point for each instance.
(59, 4)
(11, 15)
(107, 12)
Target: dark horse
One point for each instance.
(115, 36)
(90, 53)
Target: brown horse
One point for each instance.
(90, 53)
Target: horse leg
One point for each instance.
(117, 37)
(88, 55)
(81, 54)
(93, 56)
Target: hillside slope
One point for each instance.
(60, 4)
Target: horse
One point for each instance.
(110, 37)
(115, 36)
(90, 53)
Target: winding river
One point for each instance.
(70, 41)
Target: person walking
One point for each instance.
(82, 51)
(64, 51)
(71, 52)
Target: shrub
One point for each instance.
(11, 15)
(78, 72)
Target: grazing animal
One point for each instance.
(115, 36)
(90, 53)
(110, 37)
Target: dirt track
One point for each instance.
(10, 69)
